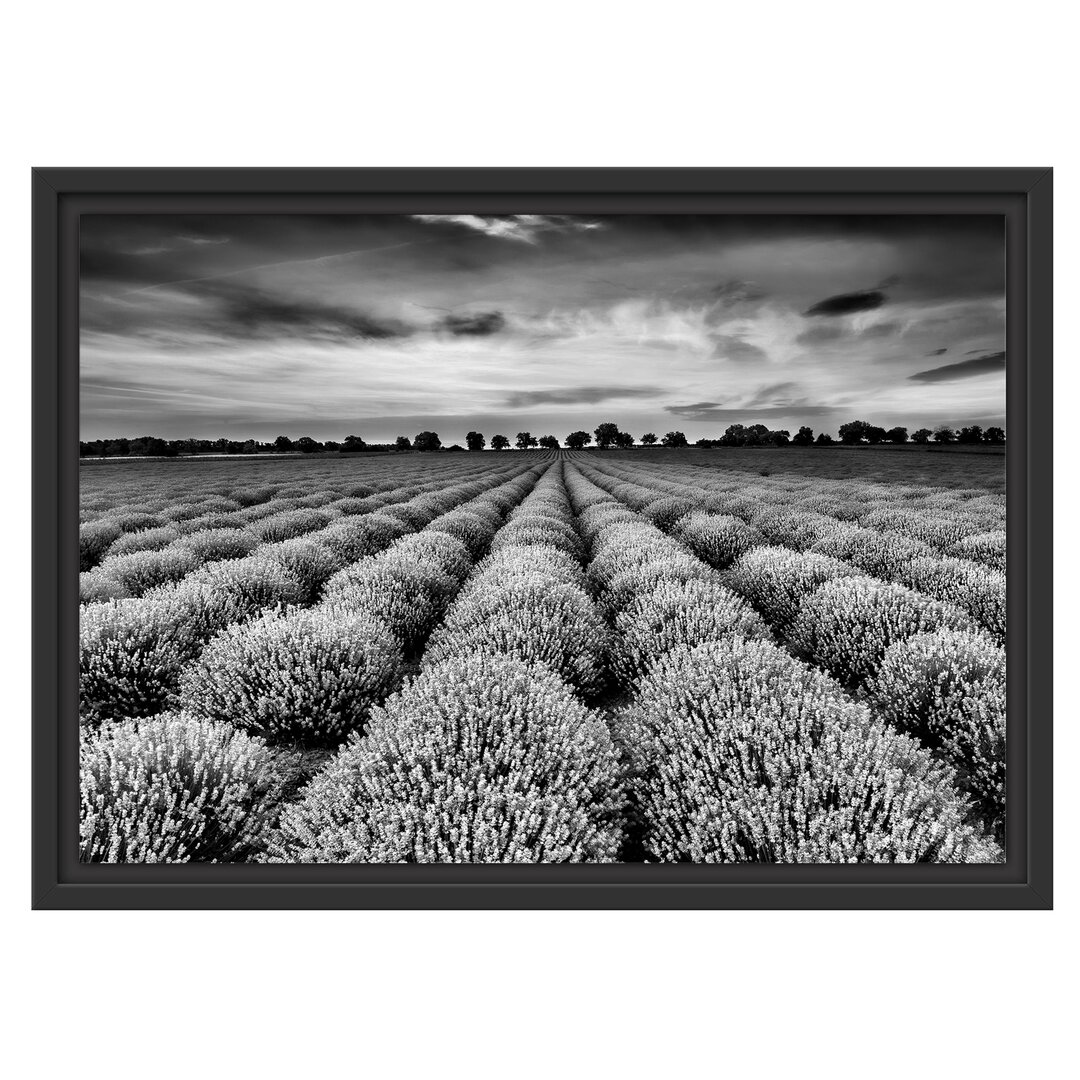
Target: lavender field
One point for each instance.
(544, 656)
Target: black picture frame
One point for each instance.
(61, 195)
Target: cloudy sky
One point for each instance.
(255, 326)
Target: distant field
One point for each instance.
(940, 466)
(950, 466)
(767, 655)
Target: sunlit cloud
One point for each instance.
(525, 228)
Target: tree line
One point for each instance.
(605, 436)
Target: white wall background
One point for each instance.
(533, 994)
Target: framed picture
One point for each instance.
(639, 538)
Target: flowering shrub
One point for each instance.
(534, 529)
(473, 531)
(318, 500)
(95, 586)
(95, 537)
(677, 613)
(408, 598)
(531, 617)
(598, 518)
(480, 759)
(412, 517)
(173, 788)
(290, 523)
(177, 512)
(941, 530)
(776, 580)
(131, 654)
(208, 521)
(250, 496)
(629, 544)
(985, 547)
(348, 506)
(948, 687)
(739, 753)
(309, 674)
(845, 625)
(354, 538)
(633, 581)
(152, 539)
(667, 510)
(312, 564)
(977, 589)
(514, 562)
(438, 549)
(213, 544)
(719, 539)
(798, 529)
(134, 520)
(226, 592)
(877, 554)
(143, 570)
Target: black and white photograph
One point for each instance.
(542, 538)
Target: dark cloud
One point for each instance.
(728, 347)
(576, 395)
(225, 309)
(480, 323)
(965, 369)
(256, 313)
(848, 303)
(940, 352)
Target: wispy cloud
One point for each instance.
(199, 240)
(965, 369)
(525, 228)
(177, 244)
(275, 265)
(715, 412)
(578, 395)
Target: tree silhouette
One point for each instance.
(549, 441)
(577, 439)
(674, 438)
(648, 439)
(606, 435)
(854, 432)
(803, 437)
(427, 442)
(921, 435)
(524, 440)
(499, 442)
(896, 435)
(475, 441)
